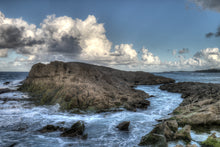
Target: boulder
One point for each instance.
(167, 128)
(123, 126)
(153, 140)
(49, 128)
(77, 129)
(6, 83)
(184, 134)
(6, 90)
(164, 131)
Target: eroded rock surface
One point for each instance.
(88, 87)
(201, 103)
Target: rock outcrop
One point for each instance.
(164, 132)
(77, 129)
(201, 103)
(49, 128)
(88, 87)
(184, 134)
(123, 126)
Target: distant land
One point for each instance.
(209, 70)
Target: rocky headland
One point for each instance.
(80, 86)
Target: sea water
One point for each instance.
(20, 119)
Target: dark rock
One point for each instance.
(84, 137)
(13, 144)
(6, 83)
(209, 70)
(166, 130)
(6, 90)
(123, 126)
(88, 87)
(49, 128)
(156, 140)
(76, 129)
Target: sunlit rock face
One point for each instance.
(88, 87)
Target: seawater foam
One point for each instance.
(101, 128)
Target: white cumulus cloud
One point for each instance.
(149, 58)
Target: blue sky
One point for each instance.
(162, 27)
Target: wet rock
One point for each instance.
(6, 90)
(153, 140)
(13, 144)
(211, 141)
(166, 130)
(6, 83)
(77, 129)
(123, 126)
(184, 134)
(84, 137)
(88, 87)
(49, 128)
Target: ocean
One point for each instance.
(20, 119)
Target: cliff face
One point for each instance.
(88, 87)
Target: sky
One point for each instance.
(147, 35)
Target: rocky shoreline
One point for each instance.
(89, 88)
(80, 86)
(201, 103)
(200, 109)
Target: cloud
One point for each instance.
(67, 39)
(216, 34)
(77, 37)
(16, 33)
(210, 34)
(208, 4)
(63, 38)
(56, 35)
(174, 52)
(203, 59)
(183, 51)
(149, 58)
